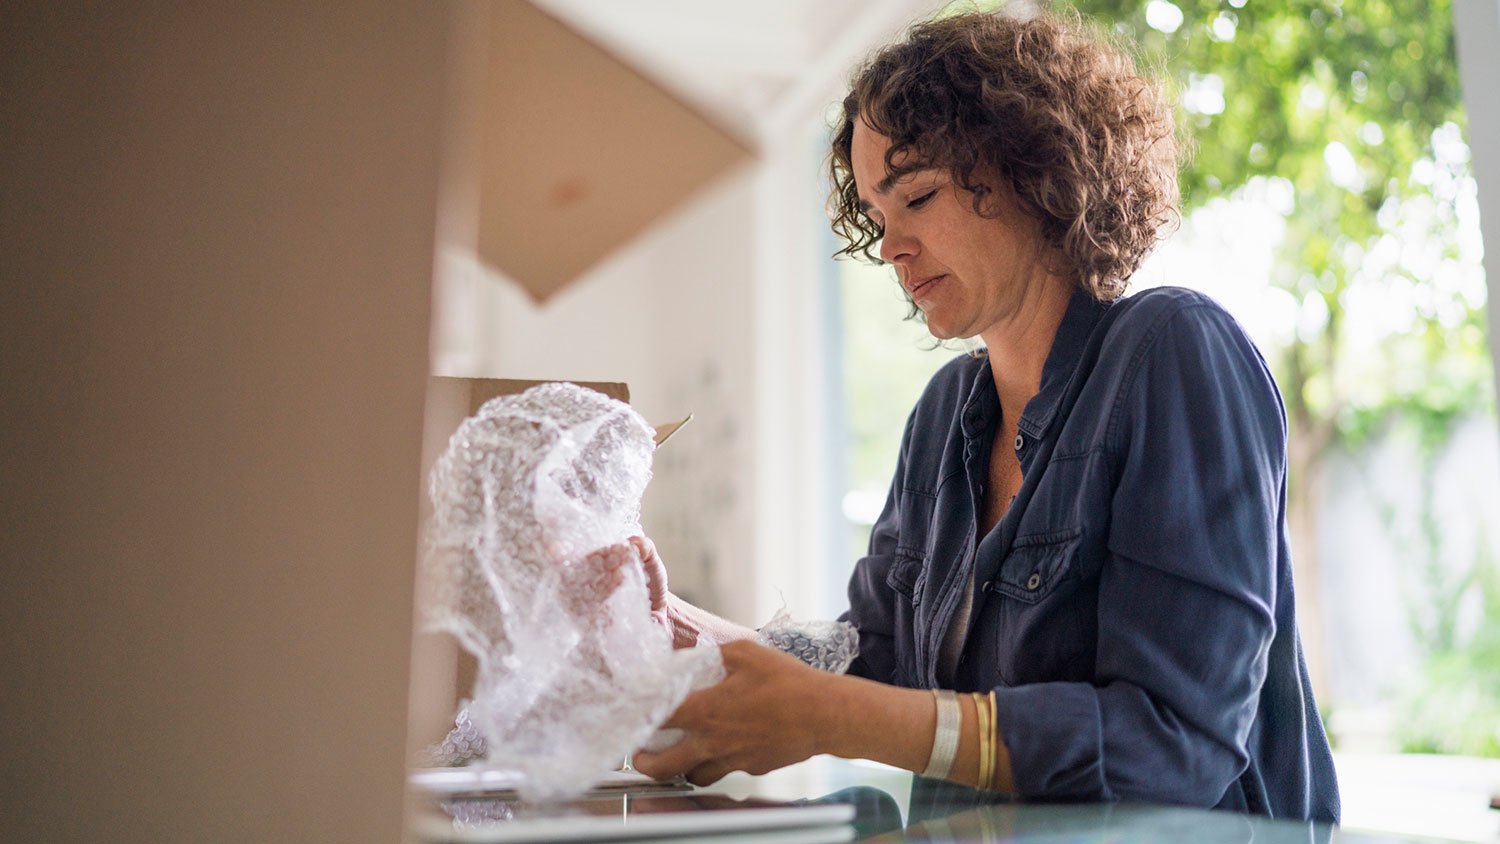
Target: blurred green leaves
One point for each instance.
(1357, 106)
(1454, 705)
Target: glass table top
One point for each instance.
(888, 805)
(894, 806)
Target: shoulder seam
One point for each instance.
(1133, 368)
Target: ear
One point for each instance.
(994, 197)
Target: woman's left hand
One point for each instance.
(656, 579)
(771, 710)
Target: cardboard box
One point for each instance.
(476, 391)
(578, 152)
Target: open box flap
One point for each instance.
(481, 390)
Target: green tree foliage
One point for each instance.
(1454, 707)
(1357, 106)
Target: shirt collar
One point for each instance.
(1067, 347)
(982, 404)
(1062, 361)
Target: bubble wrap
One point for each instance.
(523, 562)
(825, 645)
(462, 745)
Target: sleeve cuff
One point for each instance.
(1055, 738)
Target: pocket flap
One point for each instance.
(905, 575)
(1037, 563)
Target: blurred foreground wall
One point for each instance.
(216, 223)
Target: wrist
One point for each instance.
(685, 630)
(831, 705)
(863, 719)
(691, 623)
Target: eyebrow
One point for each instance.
(883, 188)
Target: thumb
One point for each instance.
(655, 569)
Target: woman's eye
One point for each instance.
(922, 200)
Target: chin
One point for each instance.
(939, 331)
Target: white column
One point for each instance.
(1477, 25)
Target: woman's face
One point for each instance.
(970, 274)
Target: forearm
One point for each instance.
(691, 623)
(896, 726)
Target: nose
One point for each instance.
(897, 247)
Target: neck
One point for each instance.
(1018, 347)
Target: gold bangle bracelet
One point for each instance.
(979, 735)
(982, 719)
(994, 722)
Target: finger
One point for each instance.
(656, 570)
(689, 713)
(680, 758)
(616, 556)
(644, 548)
(662, 619)
(599, 573)
(708, 773)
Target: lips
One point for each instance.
(914, 289)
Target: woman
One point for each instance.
(1087, 524)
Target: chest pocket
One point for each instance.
(906, 576)
(1037, 564)
(913, 546)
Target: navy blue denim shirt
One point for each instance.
(1133, 609)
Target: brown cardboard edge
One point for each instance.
(481, 390)
(748, 146)
(665, 432)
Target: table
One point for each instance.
(894, 806)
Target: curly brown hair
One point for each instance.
(1085, 140)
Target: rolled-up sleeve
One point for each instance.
(1187, 592)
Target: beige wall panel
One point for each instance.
(216, 223)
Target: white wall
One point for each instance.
(1375, 562)
(669, 315)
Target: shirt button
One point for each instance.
(1020, 441)
(1034, 581)
(987, 586)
